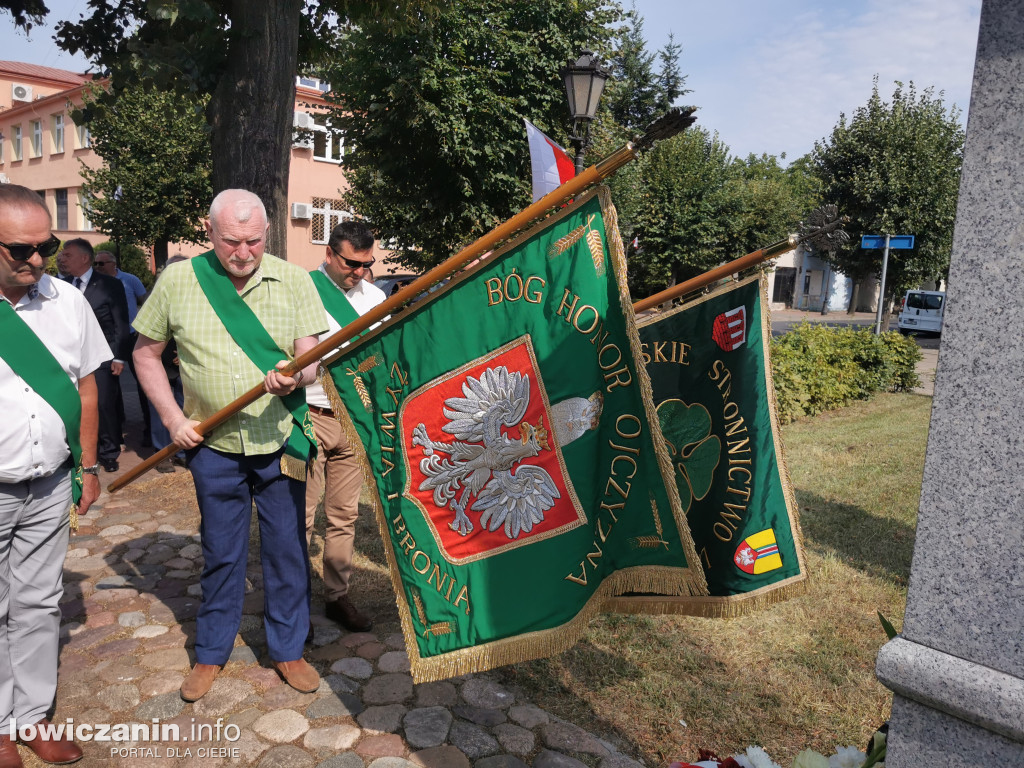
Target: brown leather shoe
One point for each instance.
(57, 751)
(199, 681)
(298, 674)
(346, 614)
(9, 757)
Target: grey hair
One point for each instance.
(112, 255)
(241, 202)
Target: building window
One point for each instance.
(58, 134)
(37, 138)
(16, 142)
(327, 214)
(83, 204)
(84, 140)
(61, 197)
(327, 143)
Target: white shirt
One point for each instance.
(363, 297)
(33, 442)
(85, 277)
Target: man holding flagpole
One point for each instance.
(335, 473)
(50, 347)
(237, 316)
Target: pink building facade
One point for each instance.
(42, 148)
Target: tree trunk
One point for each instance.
(854, 295)
(250, 117)
(159, 254)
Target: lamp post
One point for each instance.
(584, 82)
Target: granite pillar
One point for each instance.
(957, 670)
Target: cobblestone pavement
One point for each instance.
(131, 593)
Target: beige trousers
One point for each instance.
(337, 474)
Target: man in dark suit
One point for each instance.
(106, 296)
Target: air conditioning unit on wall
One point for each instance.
(303, 120)
(302, 211)
(20, 92)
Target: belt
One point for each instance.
(321, 411)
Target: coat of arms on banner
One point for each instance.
(491, 476)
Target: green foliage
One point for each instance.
(894, 167)
(691, 207)
(26, 13)
(636, 95)
(155, 150)
(820, 368)
(131, 259)
(433, 113)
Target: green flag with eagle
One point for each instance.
(521, 477)
(710, 371)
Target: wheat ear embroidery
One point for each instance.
(360, 385)
(563, 244)
(436, 629)
(651, 542)
(596, 251)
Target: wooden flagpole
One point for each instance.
(668, 125)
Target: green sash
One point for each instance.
(334, 299)
(248, 332)
(28, 357)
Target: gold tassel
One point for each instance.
(73, 518)
(293, 467)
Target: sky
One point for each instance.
(768, 75)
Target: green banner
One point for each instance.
(709, 368)
(521, 473)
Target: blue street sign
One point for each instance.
(896, 242)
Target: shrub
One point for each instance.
(131, 259)
(819, 368)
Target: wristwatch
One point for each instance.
(93, 470)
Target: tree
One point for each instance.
(636, 95)
(26, 13)
(243, 55)
(894, 168)
(154, 184)
(432, 115)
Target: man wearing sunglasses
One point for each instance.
(50, 348)
(335, 473)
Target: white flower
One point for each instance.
(810, 759)
(758, 758)
(847, 757)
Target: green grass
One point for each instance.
(799, 674)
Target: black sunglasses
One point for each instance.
(23, 252)
(102, 263)
(350, 263)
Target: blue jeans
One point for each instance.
(226, 485)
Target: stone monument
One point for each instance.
(957, 670)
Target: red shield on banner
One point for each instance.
(481, 461)
(730, 329)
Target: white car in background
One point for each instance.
(922, 311)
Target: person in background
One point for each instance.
(160, 438)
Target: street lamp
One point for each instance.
(584, 82)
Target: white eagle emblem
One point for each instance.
(482, 458)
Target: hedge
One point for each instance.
(819, 367)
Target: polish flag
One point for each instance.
(551, 166)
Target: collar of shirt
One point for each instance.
(44, 289)
(85, 277)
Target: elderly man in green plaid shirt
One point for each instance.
(237, 316)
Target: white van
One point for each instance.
(922, 311)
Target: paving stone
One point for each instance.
(281, 726)
(338, 684)
(392, 762)
(385, 719)
(395, 641)
(381, 745)
(225, 696)
(549, 759)
(571, 738)
(91, 637)
(119, 671)
(162, 682)
(70, 609)
(481, 692)
(264, 677)
(181, 574)
(329, 653)
(345, 760)
(359, 638)
(171, 658)
(119, 698)
(179, 564)
(132, 619)
(480, 715)
(439, 694)
(472, 740)
(157, 553)
(243, 654)
(445, 756)
(515, 739)
(336, 705)
(163, 707)
(427, 726)
(332, 738)
(249, 748)
(196, 590)
(287, 757)
(619, 761)
(528, 715)
(88, 564)
(191, 551)
(501, 761)
(116, 530)
(388, 689)
(246, 717)
(325, 635)
(150, 630)
(355, 667)
(370, 650)
(393, 661)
